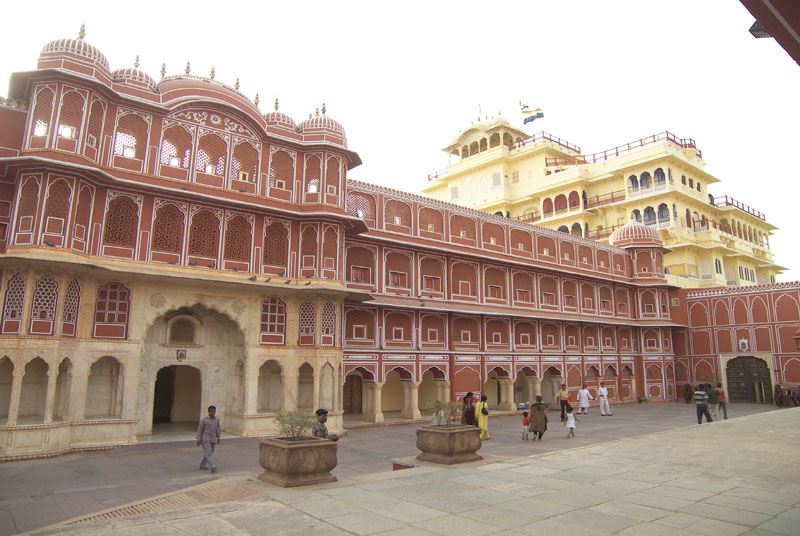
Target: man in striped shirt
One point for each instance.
(701, 401)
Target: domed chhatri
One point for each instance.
(77, 49)
(279, 119)
(135, 77)
(635, 234)
(321, 123)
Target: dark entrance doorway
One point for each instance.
(749, 380)
(177, 395)
(351, 394)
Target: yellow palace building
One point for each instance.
(659, 180)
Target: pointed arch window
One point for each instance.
(111, 311)
(273, 321)
(328, 325)
(12, 308)
(72, 300)
(307, 321)
(43, 309)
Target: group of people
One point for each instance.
(709, 399)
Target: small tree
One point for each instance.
(444, 412)
(295, 424)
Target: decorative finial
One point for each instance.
(479, 112)
(309, 115)
(82, 32)
(136, 62)
(188, 67)
(323, 107)
(316, 112)
(213, 74)
(276, 104)
(256, 99)
(236, 85)
(163, 70)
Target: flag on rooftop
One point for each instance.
(529, 115)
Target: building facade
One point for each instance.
(659, 180)
(165, 246)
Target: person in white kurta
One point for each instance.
(584, 396)
(602, 394)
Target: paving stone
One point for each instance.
(407, 512)
(656, 501)
(633, 511)
(597, 520)
(716, 527)
(722, 513)
(751, 505)
(781, 525)
(364, 523)
(680, 493)
(502, 517)
(791, 513)
(764, 495)
(328, 507)
(537, 507)
(454, 525)
(553, 527)
(651, 529)
(578, 500)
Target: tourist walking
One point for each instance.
(538, 418)
(526, 425)
(602, 394)
(563, 400)
(570, 422)
(584, 396)
(468, 410)
(482, 412)
(701, 402)
(722, 401)
(208, 435)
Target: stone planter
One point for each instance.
(449, 444)
(297, 462)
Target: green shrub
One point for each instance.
(295, 424)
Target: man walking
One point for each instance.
(208, 435)
(602, 394)
(701, 402)
(584, 396)
(722, 403)
(563, 400)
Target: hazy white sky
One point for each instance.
(403, 78)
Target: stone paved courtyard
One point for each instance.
(646, 470)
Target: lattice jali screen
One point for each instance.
(282, 168)
(168, 229)
(273, 317)
(238, 239)
(131, 134)
(328, 321)
(177, 143)
(245, 159)
(307, 319)
(15, 298)
(42, 112)
(71, 109)
(182, 331)
(72, 302)
(355, 203)
(45, 298)
(204, 234)
(276, 245)
(330, 246)
(28, 202)
(112, 304)
(58, 199)
(212, 151)
(122, 220)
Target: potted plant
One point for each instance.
(295, 457)
(446, 442)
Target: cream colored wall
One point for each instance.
(392, 393)
(427, 390)
(186, 395)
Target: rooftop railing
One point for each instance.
(726, 201)
(604, 199)
(683, 143)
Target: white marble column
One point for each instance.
(250, 386)
(51, 395)
(411, 401)
(16, 391)
(377, 412)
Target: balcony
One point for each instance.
(655, 187)
(528, 218)
(726, 201)
(683, 143)
(604, 199)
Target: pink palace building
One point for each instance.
(165, 246)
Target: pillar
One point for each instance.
(443, 390)
(250, 386)
(506, 386)
(375, 401)
(411, 401)
(52, 377)
(130, 390)
(290, 388)
(634, 390)
(16, 391)
(315, 394)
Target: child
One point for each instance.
(570, 422)
(526, 425)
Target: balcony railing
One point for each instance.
(726, 201)
(655, 187)
(683, 143)
(544, 136)
(528, 218)
(604, 199)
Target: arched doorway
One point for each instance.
(551, 380)
(749, 380)
(352, 393)
(177, 395)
